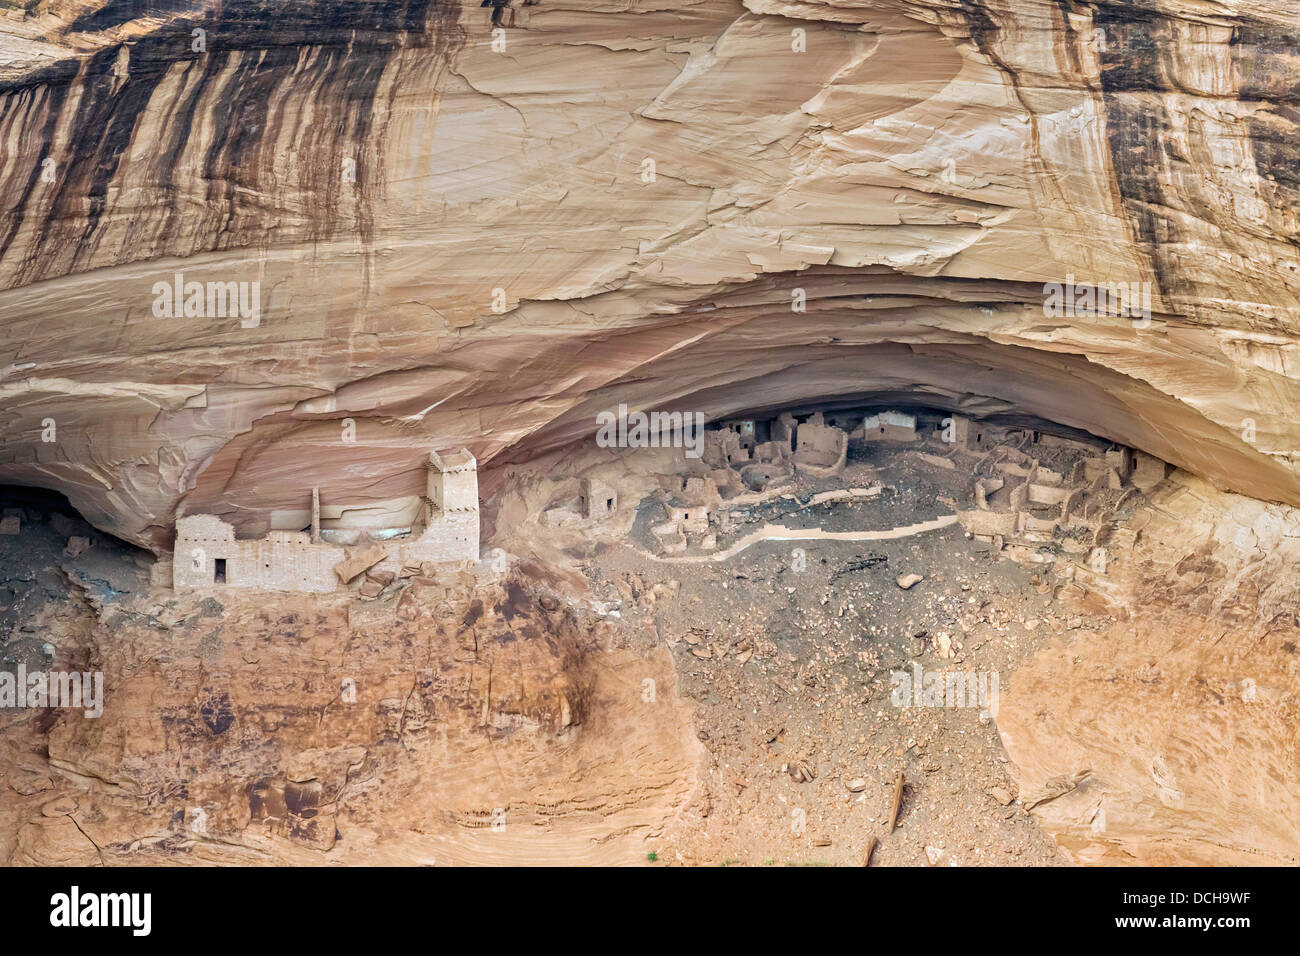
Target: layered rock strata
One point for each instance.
(483, 225)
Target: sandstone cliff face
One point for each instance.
(1169, 738)
(447, 729)
(640, 192)
(456, 242)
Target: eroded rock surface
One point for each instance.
(712, 206)
(456, 245)
(448, 727)
(1169, 737)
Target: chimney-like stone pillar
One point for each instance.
(315, 515)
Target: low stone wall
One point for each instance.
(281, 561)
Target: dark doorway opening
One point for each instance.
(220, 577)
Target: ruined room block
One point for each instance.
(1020, 496)
(160, 573)
(1029, 522)
(559, 517)
(822, 449)
(451, 537)
(724, 478)
(722, 447)
(205, 546)
(1148, 471)
(973, 435)
(1041, 494)
(771, 451)
(989, 523)
(208, 554)
(670, 537)
(688, 517)
(453, 481)
(1045, 476)
(760, 477)
(783, 429)
(597, 499)
(451, 531)
(960, 432)
(1072, 505)
(984, 487)
(714, 453)
(1121, 459)
(700, 489)
(745, 432)
(889, 426)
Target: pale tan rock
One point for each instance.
(358, 561)
(919, 162)
(1126, 721)
(280, 798)
(1000, 794)
(913, 174)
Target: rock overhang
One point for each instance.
(913, 207)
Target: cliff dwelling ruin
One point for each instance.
(653, 434)
(207, 553)
(1027, 493)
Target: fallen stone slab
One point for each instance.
(358, 561)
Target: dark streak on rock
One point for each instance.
(1138, 65)
(57, 94)
(1143, 156)
(1268, 60)
(348, 45)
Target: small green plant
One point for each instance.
(652, 856)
